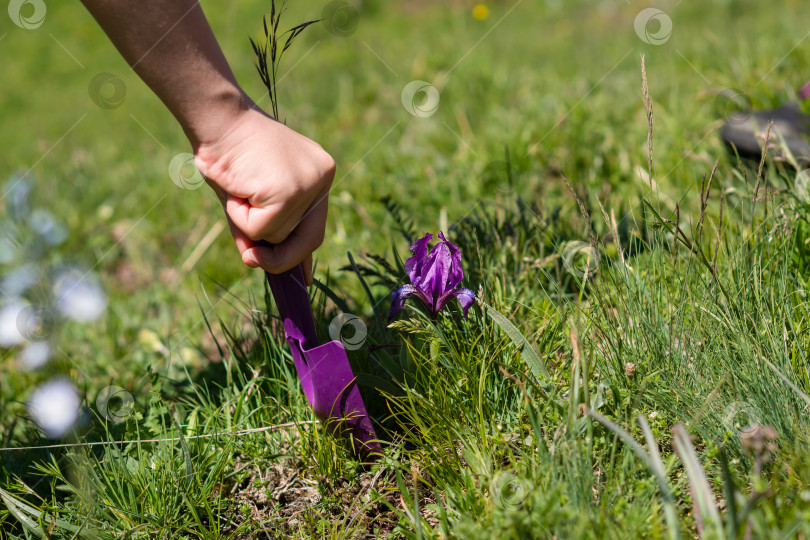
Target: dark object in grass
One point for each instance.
(789, 123)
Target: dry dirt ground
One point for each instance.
(281, 498)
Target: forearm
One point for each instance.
(171, 46)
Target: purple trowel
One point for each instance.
(326, 376)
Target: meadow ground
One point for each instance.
(636, 365)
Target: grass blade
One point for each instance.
(527, 350)
(706, 513)
(670, 510)
(17, 510)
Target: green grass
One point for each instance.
(484, 442)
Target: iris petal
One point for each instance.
(425, 299)
(415, 265)
(465, 297)
(438, 271)
(456, 271)
(398, 298)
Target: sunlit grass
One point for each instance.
(710, 333)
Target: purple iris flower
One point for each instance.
(435, 277)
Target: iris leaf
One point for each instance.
(527, 350)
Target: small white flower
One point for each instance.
(20, 280)
(48, 227)
(17, 190)
(8, 251)
(35, 355)
(79, 297)
(54, 407)
(10, 335)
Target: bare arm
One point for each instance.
(172, 48)
(273, 182)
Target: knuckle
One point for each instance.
(327, 166)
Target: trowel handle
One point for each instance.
(292, 298)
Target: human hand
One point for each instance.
(273, 182)
(274, 187)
